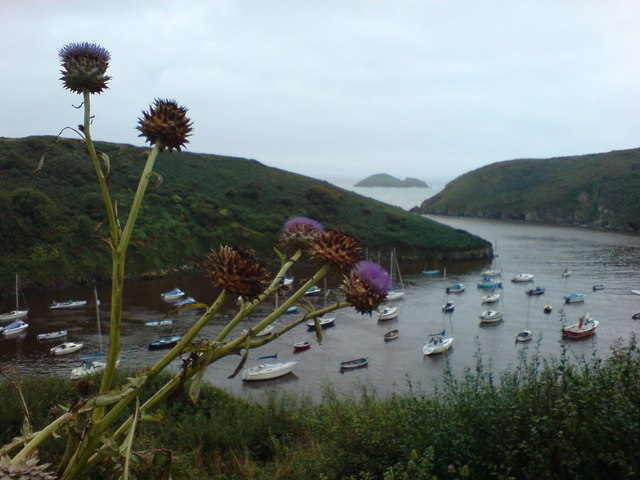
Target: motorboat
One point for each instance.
(184, 302)
(172, 295)
(388, 313)
(456, 288)
(566, 272)
(491, 316)
(167, 342)
(68, 304)
(585, 327)
(523, 277)
(14, 327)
(535, 291)
(598, 286)
(395, 294)
(490, 298)
(547, 309)
(325, 322)
(66, 348)
(287, 281)
(574, 298)
(448, 307)
(391, 335)
(301, 346)
(437, 343)
(489, 282)
(89, 367)
(430, 272)
(159, 323)
(267, 371)
(52, 335)
(292, 309)
(314, 290)
(524, 336)
(353, 364)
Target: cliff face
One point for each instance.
(598, 190)
(386, 180)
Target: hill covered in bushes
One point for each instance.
(598, 190)
(51, 222)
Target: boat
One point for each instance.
(437, 343)
(491, 316)
(17, 313)
(493, 298)
(184, 301)
(159, 323)
(489, 282)
(448, 307)
(287, 281)
(430, 272)
(585, 327)
(391, 335)
(574, 298)
(566, 272)
(636, 292)
(535, 291)
(394, 270)
(325, 322)
(292, 309)
(524, 336)
(636, 316)
(167, 342)
(14, 327)
(314, 290)
(172, 295)
(262, 333)
(523, 277)
(68, 304)
(267, 371)
(89, 367)
(395, 295)
(456, 288)
(66, 347)
(547, 309)
(52, 335)
(388, 313)
(301, 346)
(492, 272)
(355, 363)
(598, 286)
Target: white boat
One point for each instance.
(325, 322)
(524, 336)
(574, 298)
(89, 367)
(17, 313)
(523, 277)
(395, 294)
(68, 304)
(267, 371)
(287, 281)
(14, 327)
(159, 323)
(172, 295)
(388, 313)
(448, 307)
(491, 273)
(437, 343)
(491, 316)
(584, 328)
(566, 272)
(52, 335)
(394, 271)
(66, 347)
(314, 290)
(490, 298)
(262, 333)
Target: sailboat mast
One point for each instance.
(17, 292)
(95, 294)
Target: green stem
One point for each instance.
(41, 436)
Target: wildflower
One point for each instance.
(29, 469)
(300, 233)
(367, 286)
(238, 271)
(165, 124)
(336, 248)
(84, 67)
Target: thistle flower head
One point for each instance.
(238, 271)
(338, 249)
(300, 233)
(29, 469)
(366, 286)
(165, 124)
(84, 67)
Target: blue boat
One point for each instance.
(574, 298)
(489, 282)
(167, 342)
(457, 288)
(172, 295)
(535, 291)
(186, 301)
(313, 290)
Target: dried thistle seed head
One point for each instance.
(166, 125)
(84, 67)
(27, 470)
(299, 234)
(366, 286)
(338, 249)
(238, 271)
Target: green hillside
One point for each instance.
(50, 222)
(598, 190)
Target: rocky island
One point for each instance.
(386, 180)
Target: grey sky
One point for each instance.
(330, 89)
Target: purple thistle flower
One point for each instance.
(302, 224)
(84, 67)
(373, 275)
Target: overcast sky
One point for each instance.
(427, 89)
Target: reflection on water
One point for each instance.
(593, 257)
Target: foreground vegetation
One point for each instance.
(51, 223)
(599, 190)
(542, 420)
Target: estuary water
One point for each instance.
(593, 257)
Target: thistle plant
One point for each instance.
(93, 428)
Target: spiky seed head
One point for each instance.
(166, 125)
(299, 233)
(26, 470)
(238, 271)
(84, 67)
(366, 286)
(338, 249)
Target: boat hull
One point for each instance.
(68, 304)
(437, 345)
(14, 315)
(267, 371)
(353, 364)
(52, 335)
(163, 343)
(301, 346)
(66, 348)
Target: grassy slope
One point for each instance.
(48, 221)
(599, 190)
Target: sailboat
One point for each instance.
(395, 268)
(448, 305)
(17, 313)
(525, 335)
(436, 343)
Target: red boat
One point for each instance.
(301, 346)
(584, 328)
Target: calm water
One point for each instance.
(593, 257)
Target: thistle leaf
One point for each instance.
(196, 385)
